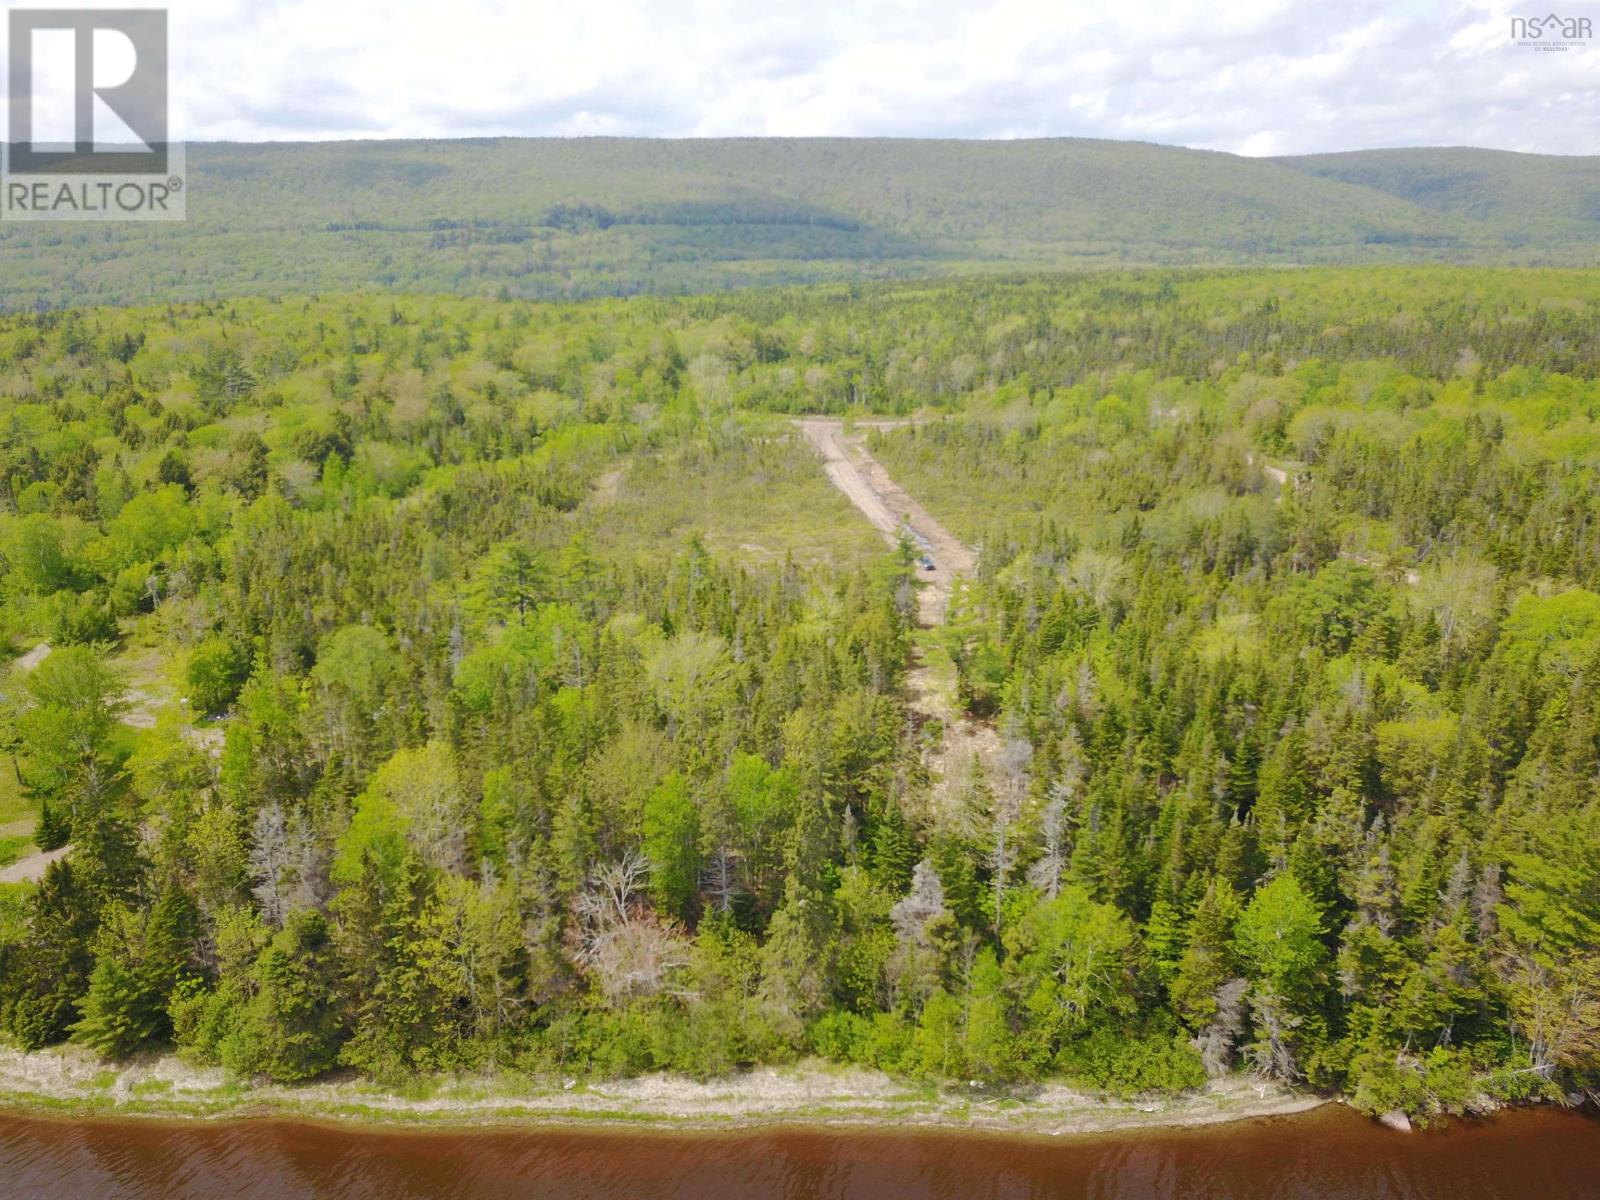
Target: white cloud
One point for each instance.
(1253, 76)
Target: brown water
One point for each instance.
(1331, 1154)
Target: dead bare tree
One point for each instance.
(288, 863)
(722, 878)
(1274, 1052)
(1013, 761)
(1055, 819)
(913, 969)
(270, 857)
(621, 942)
(1045, 874)
(308, 857)
(1555, 1005)
(1216, 1041)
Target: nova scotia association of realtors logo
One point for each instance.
(1551, 32)
(87, 136)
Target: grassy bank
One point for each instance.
(69, 1081)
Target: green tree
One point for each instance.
(1076, 962)
(75, 698)
(414, 804)
(355, 670)
(36, 552)
(1550, 927)
(797, 961)
(43, 975)
(289, 1029)
(141, 956)
(248, 468)
(1278, 938)
(413, 1019)
(218, 668)
(991, 1044)
(671, 843)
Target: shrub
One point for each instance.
(1111, 1060)
(217, 670)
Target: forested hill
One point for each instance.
(555, 218)
(1544, 196)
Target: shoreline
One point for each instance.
(70, 1082)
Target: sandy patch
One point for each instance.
(609, 486)
(34, 657)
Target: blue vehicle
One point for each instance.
(927, 563)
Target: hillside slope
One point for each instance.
(1522, 196)
(548, 218)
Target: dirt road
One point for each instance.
(884, 503)
(964, 744)
(33, 657)
(32, 868)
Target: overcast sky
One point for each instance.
(1249, 76)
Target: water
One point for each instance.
(1330, 1154)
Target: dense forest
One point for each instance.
(425, 684)
(567, 218)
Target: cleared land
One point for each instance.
(892, 511)
(960, 745)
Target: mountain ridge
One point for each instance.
(554, 217)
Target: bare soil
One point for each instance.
(34, 657)
(32, 868)
(609, 486)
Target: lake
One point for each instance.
(1330, 1154)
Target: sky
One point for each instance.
(1255, 77)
